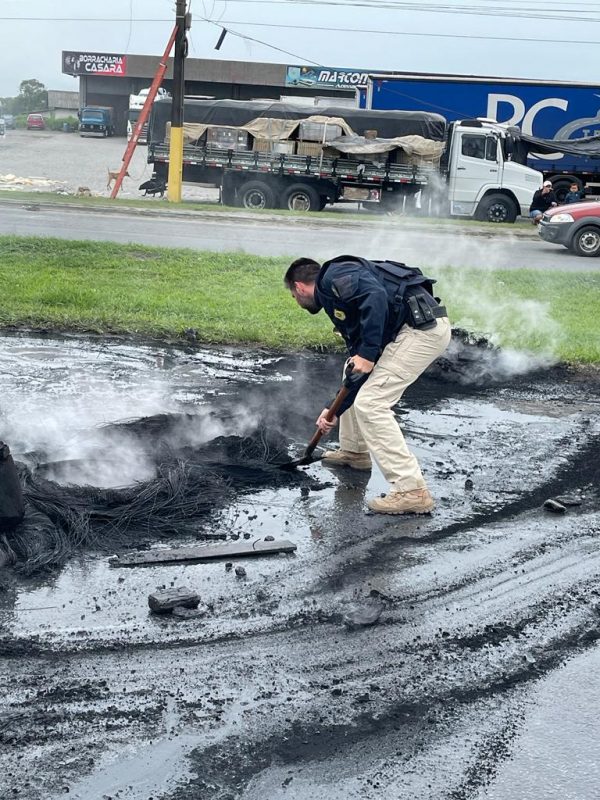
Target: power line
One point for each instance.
(258, 41)
(520, 11)
(530, 13)
(223, 23)
(538, 40)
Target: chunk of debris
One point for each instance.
(554, 506)
(240, 572)
(363, 614)
(164, 601)
(569, 499)
(12, 506)
(188, 613)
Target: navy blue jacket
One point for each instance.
(360, 300)
(574, 197)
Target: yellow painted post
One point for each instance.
(175, 165)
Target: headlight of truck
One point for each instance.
(561, 218)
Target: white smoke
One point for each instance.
(61, 400)
(523, 328)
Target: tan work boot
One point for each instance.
(417, 501)
(346, 458)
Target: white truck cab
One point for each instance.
(483, 181)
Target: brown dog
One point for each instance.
(113, 175)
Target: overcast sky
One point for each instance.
(454, 36)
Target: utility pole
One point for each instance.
(183, 22)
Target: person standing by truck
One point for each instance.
(394, 329)
(543, 199)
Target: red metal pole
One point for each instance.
(145, 113)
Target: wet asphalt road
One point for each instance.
(69, 161)
(290, 237)
(479, 681)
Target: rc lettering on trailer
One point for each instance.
(547, 111)
(525, 117)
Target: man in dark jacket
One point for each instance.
(394, 329)
(543, 199)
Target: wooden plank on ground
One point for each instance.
(204, 552)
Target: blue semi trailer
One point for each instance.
(545, 109)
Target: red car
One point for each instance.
(35, 121)
(575, 226)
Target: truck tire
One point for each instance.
(586, 241)
(497, 208)
(301, 197)
(256, 195)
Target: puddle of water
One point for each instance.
(140, 773)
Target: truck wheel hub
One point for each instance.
(497, 212)
(254, 199)
(299, 202)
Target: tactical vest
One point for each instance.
(410, 292)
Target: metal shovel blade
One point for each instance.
(307, 458)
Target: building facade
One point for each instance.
(107, 79)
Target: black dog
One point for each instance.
(154, 186)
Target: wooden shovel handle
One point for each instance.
(331, 413)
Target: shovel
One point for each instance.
(308, 457)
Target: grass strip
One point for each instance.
(328, 215)
(238, 298)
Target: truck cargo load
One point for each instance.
(236, 113)
(264, 154)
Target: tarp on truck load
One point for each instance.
(588, 147)
(236, 113)
(273, 130)
(412, 145)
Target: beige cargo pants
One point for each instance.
(369, 425)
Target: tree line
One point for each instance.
(32, 97)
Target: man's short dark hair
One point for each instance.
(304, 270)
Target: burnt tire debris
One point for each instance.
(192, 484)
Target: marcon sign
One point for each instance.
(326, 78)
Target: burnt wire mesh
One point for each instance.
(192, 484)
